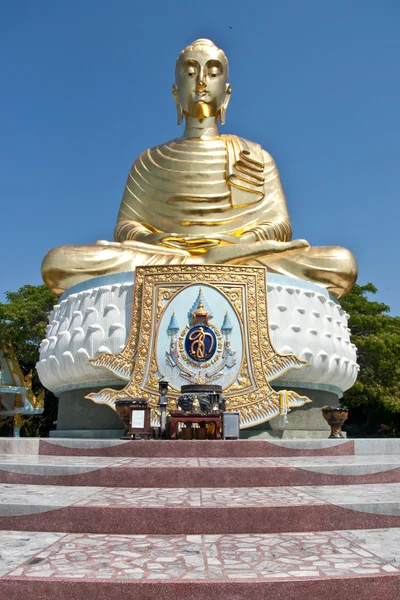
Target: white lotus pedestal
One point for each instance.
(93, 320)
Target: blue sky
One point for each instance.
(86, 87)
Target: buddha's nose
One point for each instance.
(201, 85)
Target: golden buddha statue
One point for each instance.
(203, 198)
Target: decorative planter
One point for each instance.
(187, 433)
(335, 417)
(210, 431)
(200, 433)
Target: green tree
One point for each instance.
(23, 321)
(375, 397)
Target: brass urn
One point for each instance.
(335, 417)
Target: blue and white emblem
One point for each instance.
(201, 352)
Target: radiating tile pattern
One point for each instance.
(119, 557)
(255, 557)
(291, 555)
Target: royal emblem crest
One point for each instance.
(201, 352)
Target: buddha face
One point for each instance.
(201, 80)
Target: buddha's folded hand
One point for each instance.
(243, 250)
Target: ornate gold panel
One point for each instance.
(245, 289)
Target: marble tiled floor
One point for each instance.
(136, 497)
(348, 465)
(262, 496)
(56, 560)
(96, 461)
(356, 464)
(374, 498)
(199, 497)
(348, 494)
(53, 495)
(101, 461)
(54, 465)
(256, 557)
(17, 547)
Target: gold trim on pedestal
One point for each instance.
(245, 288)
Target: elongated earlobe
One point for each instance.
(177, 103)
(222, 111)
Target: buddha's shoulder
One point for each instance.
(183, 145)
(192, 148)
(254, 148)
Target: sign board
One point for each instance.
(137, 419)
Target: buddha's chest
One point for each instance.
(192, 169)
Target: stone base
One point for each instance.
(79, 417)
(305, 422)
(92, 434)
(94, 318)
(292, 434)
(77, 413)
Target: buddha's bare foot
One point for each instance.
(286, 246)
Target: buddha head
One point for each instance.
(201, 87)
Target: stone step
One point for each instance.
(345, 564)
(176, 448)
(197, 448)
(198, 472)
(108, 519)
(198, 510)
